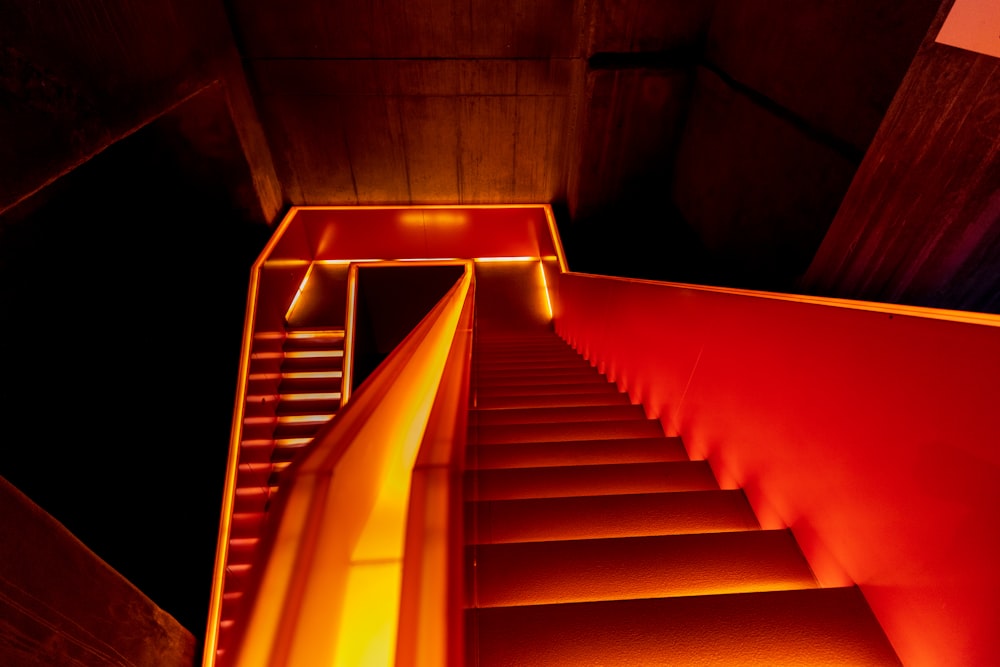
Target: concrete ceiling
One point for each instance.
(716, 135)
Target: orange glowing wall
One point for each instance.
(325, 233)
(871, 431)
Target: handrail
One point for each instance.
(431, 609)
(339, 520)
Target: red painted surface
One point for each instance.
(872, 435)
(325, 233)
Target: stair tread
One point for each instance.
(589, 480)
(624, 515)
(551, 400)
(540, 415)
(573, 370)
(554, 389)
(575, 452)
(542, 379)
(569, 358)
(798, 627)
(563, 431)
(636, 567)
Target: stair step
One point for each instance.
(305, 382)
(547, 415)
(551, 400)
(631, 568)
(494, 342)
(590, 517)
(316, 403)
(586, 452)
(560, 388)
(300, 339)
(312, 360)
(486, 376)
(241, 549)
(593, 480)
(297, 430)
(591, 376)
(253, 499)
(566, 359)
(563, 431)
(831, 626)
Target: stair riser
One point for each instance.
(589, 480)
(812, 627)
(604, 430)
(297, 364)
(635, 568)
(515, 416)
(595, 452)
(594, 517)
(551, 401)
(487, 377)
(560, 389)
(542, 380)
(521, 364)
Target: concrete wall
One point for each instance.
(77, 76)
(60, 604)
(787, 99)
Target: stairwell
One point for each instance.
(294, 388)
(592, 539)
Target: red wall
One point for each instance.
(872, 435)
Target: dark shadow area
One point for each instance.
(122, 296)
(392, 300)
(637, 241)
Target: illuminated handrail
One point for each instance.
(339, 518)
(431, 608)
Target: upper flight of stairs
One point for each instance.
(293, 389)
(592, 539)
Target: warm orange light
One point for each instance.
(287, 262)
(329, 591)
(311, 375)
(314, 335)
(298, 293)
(518, 258)
(314, 354)
(434, 217)
(316, 396)
(550, 219)
(350, 321)
(545, 288)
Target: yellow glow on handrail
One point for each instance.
(350, 321)
(545, 288)
(331, 537)
(550, 218)
(298, 292)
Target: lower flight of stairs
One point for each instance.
(293, 389)
(592, 539)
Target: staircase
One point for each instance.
(293, 388)
(592, 539)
